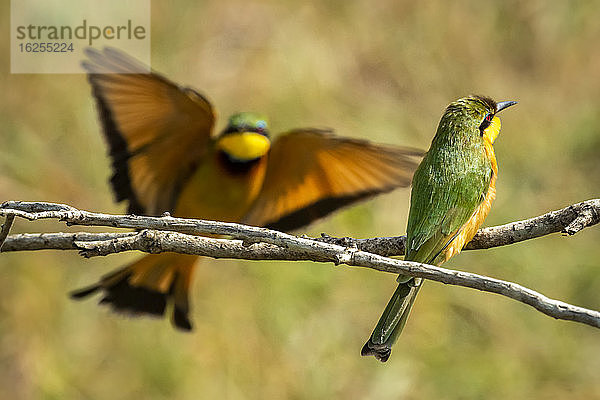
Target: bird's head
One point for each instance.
(246, 137)
(473, 116)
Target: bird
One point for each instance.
(452, 192)
(166, 159)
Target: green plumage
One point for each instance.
(448, 186)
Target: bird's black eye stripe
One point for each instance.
(486, 122)
(230, 129)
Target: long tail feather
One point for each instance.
(392, 320)
(147, 287)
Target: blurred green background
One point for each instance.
(381, 70)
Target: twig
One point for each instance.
(296, 249)
(56, 241)
(261, 244)
(569, 220)
(5, 229)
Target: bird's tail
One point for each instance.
(147, 286)
(392, 320)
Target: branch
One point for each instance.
(56, 241)
(152, 241)
(568, 220)
(261, 244)
(5, 229)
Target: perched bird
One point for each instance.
(452, 192)
(165, 159)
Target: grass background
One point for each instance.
(382, 70)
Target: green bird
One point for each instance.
(452, 192)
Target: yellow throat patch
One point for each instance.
(244, 145)
(492, 131)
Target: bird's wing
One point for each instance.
(157, 132)
(312, 172)
(443, 200)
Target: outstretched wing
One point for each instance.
(157, 132)
(312, 172)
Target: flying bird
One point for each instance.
(166, 158)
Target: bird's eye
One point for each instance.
(260, 127)
(486, 122)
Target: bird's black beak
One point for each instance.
(504, 104)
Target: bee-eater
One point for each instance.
(452, 192)
(165, 159)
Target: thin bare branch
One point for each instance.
(297, 249)
(263, 244)
(5, 229)
(568, 220)
(56, 241)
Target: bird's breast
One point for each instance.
(221, 191)
(481, 212)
